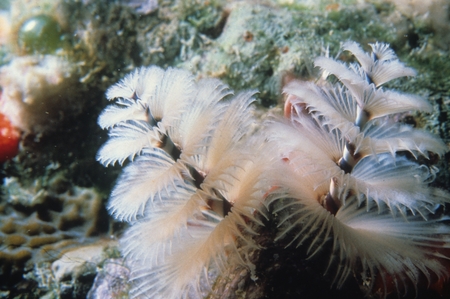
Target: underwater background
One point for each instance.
(58, 58)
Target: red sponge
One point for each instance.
(9, 139)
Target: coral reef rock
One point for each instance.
(37, 226)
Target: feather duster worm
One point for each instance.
(351, 181)
(193, 183)
(337, 172)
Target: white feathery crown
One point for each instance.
(193, 181)
(359, 186)
(337, 170)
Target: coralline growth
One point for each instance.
(339, 170)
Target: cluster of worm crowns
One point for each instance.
(338, 168)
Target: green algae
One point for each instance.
(263, 46)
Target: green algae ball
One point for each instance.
(40, 34)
